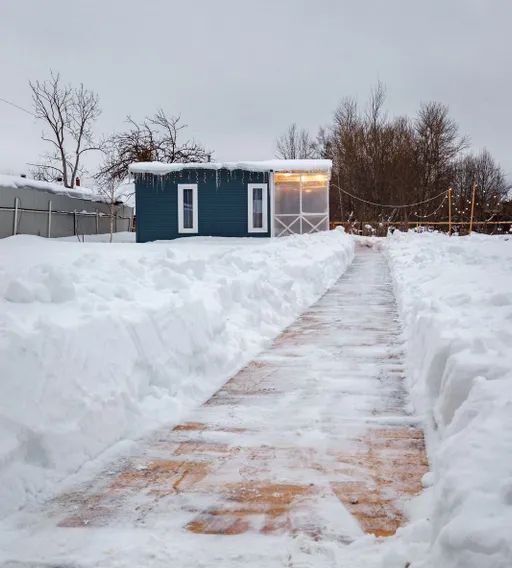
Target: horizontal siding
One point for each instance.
(222, 203)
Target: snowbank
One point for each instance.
(455, 298)
(119, 237)
(99, 342)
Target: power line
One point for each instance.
(385, 205)
(17, 106)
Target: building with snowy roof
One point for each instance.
(231, 199)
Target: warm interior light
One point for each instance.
(315, 177)
(286, 177)
(319, 177)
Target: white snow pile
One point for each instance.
(455, 298)
(99, 342)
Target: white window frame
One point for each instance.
(264, 207)
(181, 228)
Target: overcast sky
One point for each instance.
(239, 72)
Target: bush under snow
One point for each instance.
(102, 342)
(455, 298)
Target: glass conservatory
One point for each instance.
(301, 202)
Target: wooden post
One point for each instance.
(449, 211)
(472, 209)
(75, 223)
(97, 222)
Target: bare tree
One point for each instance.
(375, 116)
(490, 183)
(115, 195)
(296, 143)
(68, 114)
(438, 144)
(156, 138)
(402, 161)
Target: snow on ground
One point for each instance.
(455, 299)
(326, 396)
(120, 237)
(99, 343)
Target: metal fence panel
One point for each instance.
(34, 212)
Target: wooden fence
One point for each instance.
(381, 228)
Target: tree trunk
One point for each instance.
(112, 209)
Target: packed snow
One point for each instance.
(161, 168)
(119, 237)
(299, 414)
(101, 342)
(455, 299)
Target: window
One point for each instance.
(301, 202)
(187, 208)
(257, 208)
(315, 193)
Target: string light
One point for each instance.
(433, 212)
(390, 206)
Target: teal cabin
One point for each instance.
(231, 199)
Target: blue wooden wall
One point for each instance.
(222, 203)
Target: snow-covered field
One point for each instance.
(101, 342)
(455, 299)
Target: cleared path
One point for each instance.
(312, 439)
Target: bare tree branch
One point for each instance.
(295, 144)
(68, 115)
(156, 138)
(401, 161)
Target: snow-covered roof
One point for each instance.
(18, 182)
(161, 168)
(125, 192)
